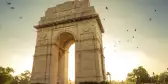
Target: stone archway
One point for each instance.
(67, 23)
(65, 40)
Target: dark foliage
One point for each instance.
(103, 82)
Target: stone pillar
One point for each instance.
(63, 67)
(54, 65)
(41, 62)
(66, 67)
(88, 61)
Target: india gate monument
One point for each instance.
(72, 22)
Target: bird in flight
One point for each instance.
(8, 3)
(12, 7)
(150, 19)
(106, 8)
(21, 17)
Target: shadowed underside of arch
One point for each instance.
(66, 40)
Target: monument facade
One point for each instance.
(71, 22)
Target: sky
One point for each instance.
(18, 37)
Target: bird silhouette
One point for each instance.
(21, 17)
(12, 7)
(106, 8)
(8, 3)
(135, 29)
(133, 37)
(150, 19)
(155, 10)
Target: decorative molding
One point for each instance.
(89, 50)
(44, 55)
(75, 19)
(86, 29)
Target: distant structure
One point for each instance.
(68, 23)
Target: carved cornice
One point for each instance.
(71, 20)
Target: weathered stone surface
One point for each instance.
(68, 23)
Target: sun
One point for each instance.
(120, 63)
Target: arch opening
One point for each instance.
(65, 70)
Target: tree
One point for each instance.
(24, 78)
(5, 75)
(103, 82)
(15, 80)
(7, 78)
(163, 77)
(138, 75)
(154, 78)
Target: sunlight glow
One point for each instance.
(121, 63)
(117, 63)
(23, 63)
(71, 63)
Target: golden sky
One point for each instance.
(17, 36)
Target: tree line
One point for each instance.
(6, 76)
(140, 75)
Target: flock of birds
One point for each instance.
(11, 7)
(133, 37)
